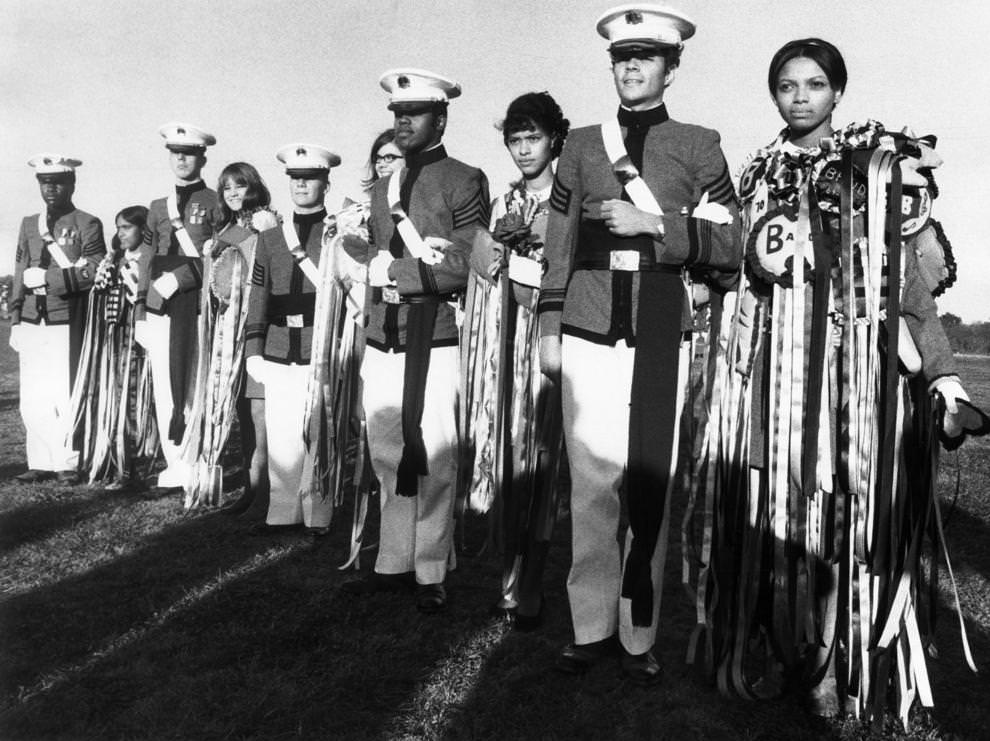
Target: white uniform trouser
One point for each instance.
(285, 403)
(416, 532)
(176, 471)
(596, 385)
(46, 406)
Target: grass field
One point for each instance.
(122, 618)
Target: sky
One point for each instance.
(96, 79)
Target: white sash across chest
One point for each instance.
(178, 225)
(299, 254)
(54, 248)
(625, 171)
(403, 224)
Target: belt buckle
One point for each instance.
(294, 321)
(390, 295)
(627, 260)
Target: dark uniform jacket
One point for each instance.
(79, 234)
(681, 162)
(448, 199)
(280, 308)
(163, 253)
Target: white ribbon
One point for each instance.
(179, 226)
(299, 255)
(637, 189)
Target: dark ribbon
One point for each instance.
(420, 321)
(653, 399)
(820, 341)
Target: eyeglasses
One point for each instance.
(388, 159)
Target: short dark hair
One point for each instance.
(534, 110)
(257, 196)
(824, 54)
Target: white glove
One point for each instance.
(15, 338)
(434, 249)
(710, 211)
(255, 366)
(166, 284)
(34, 278)
(525, 271)
(378, 269)
(952, 391)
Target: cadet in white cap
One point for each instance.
(168, 289)
(280, 334)
(57, 254)
(625, 228)
(423, 220)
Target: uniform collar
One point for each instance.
(311, 218)
(643, 119)
(421, 159)
(189, 189)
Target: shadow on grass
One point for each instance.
(35, 521)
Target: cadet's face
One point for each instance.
(416, 129)
(308, 192)
(641, 78)
(129, 234)
(531, 150)
(233, 195)
(56, 192)
(804, 97)
(186, 165)
(388, 159)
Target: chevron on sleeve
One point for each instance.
(720, 190)
(474, 211)
(560, 196)
(257, 275)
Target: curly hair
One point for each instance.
(536, 110)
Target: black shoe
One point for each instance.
(577, 658)
(641, 668)
(33, 476)
(431, 598)
(375, 583)
(318, 532)
(68, 478)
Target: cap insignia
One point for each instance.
(402, 82)
(181, 131)
(48, 160)
(301, 152)
(634, 17)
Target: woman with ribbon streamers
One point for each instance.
(513, 409)
(112, 398)
(818, 462)
(221, 386)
